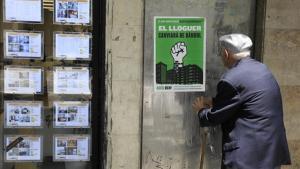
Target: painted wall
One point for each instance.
(282, 55)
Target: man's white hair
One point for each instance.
(237, 44)
(241, 55)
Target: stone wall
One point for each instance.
(282, 55)
(124, 45)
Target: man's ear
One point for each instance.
(226, 54)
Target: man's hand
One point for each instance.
(201, 103)
(178, 52)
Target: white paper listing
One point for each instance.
(23, 44)
(27, 150)
(72, 46)
(71, 148)
(23, 10)
(72, 114)
(22, 80)
(71, 80)
(72, 11)
(23, 114)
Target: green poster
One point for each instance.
(179, 54)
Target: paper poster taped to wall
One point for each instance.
(179, 54)
(71, 148)
(29, 149)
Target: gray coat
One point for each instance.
(248, 105)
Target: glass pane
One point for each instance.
(46, 92)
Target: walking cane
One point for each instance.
(205, 131)
(203, 147)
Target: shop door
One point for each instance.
(171, 134)
(52, 84)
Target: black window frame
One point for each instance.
(99, 144)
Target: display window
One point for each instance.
(52, 84)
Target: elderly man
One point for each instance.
(248, 105)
